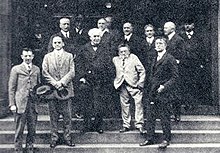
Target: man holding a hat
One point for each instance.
(58, 71)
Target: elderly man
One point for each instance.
(58, 70)
(163, 76)
(129, 80)
(93, 63)
(22, 101)
(176, 48)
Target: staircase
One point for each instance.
(194, 134)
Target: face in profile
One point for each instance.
(65, 24)
(127, 28)
(160, 45)
(123, 52)
(57, 43)
(168, 28)
(149, 31)
(27, 56)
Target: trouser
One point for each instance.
(125, 94)
(163, 110)
(56, 108)
(29, 117)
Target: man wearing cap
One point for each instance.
(58, 70)
(22, 100)
(93, 73)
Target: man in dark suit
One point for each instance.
(132, 39)
(195, 61)
(58, 69)
(22, 101)
(176, 48)
(163, 76)
(92, 68)
(68, 37)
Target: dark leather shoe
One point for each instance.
(141, 130)
(53, 144)
(124, 129)
(147, 142)
(69, 143)
(164, 144)
(177, 118)
(100, 131)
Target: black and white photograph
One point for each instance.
(109, 76)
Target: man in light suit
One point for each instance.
(176, 47)
(22, 101)
(163, 76)
(129, 80)
(58, 70)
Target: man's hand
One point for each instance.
(178, 61)
(160, 89)
(13, 108)
(58, 85)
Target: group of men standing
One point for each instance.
(148, 69)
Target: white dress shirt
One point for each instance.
(66, 34)
(128, 37)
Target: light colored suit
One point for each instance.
(130, 78)
(59, 69)
(21, 82)
(20, 87)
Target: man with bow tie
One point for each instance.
(93, 68)
(22, 101)
(195, 64)
(163, 77)
(129, 81)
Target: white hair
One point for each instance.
(94, 31)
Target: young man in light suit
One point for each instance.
(129, 80)
(58, 70)
(22, 101)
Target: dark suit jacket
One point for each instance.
(70, 43)
(176, 47)
(163, 72)
(135, 43)
(94, 66)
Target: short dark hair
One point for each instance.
(124, 45)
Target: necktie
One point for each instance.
(29, 69)
(67, 35)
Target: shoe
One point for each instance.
(147, 142)
(100, 131)
(141, 130)
(164, 144)
(53, 144)
(177, 119)
(124, 129)
(69, 143)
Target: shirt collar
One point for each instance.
(64, 33)
(170, 36)
(160, 54)
(128, 37)
(150, 39)
(190, 33)
(58, 52)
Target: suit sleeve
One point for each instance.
(71, 74)
(45, 71)
(142, 74)
(174, 73)
(12, 86)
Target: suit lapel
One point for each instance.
(161, 60)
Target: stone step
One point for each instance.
(114, 137)
(122, 148)
(194, 122)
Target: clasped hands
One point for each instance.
(58, 85)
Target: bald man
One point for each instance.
(92, 71)
(69, 38)
(176, 48)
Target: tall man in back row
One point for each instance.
(22, 101)
(58, 70)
